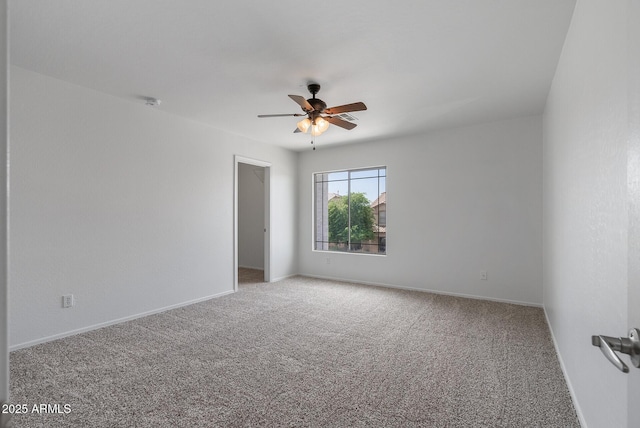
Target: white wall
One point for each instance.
(126, 207)
(585, 205)
(459, 202)
(250, 216)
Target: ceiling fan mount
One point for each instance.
(314, 88)
(318, 115)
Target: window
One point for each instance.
(351, 211)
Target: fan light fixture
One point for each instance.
(304, 124)
(316, 128)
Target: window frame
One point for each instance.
(314, 209)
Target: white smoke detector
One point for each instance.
(152, 101)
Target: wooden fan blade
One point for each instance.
(296, 131)
(302, 101)
(345, 108)
(339, 122)
(281, 115)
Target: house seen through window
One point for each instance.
(351, 210)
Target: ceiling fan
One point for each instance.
(318, 115)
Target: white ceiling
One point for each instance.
(418, 65)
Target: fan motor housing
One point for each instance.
(317, 104)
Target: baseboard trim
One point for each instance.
(113, 322)
(574, 399)
(446, 293)
(251, 267)
(280, 278)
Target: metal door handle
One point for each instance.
(626, 345)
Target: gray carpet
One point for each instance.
(304, 352)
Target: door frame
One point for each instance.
(237, 159)
(633, 195)
(4, 202)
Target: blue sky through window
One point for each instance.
(364, 181)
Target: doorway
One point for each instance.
(251, 220)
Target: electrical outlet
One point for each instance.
(67, 301)
(483, 275)
(328, 261)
